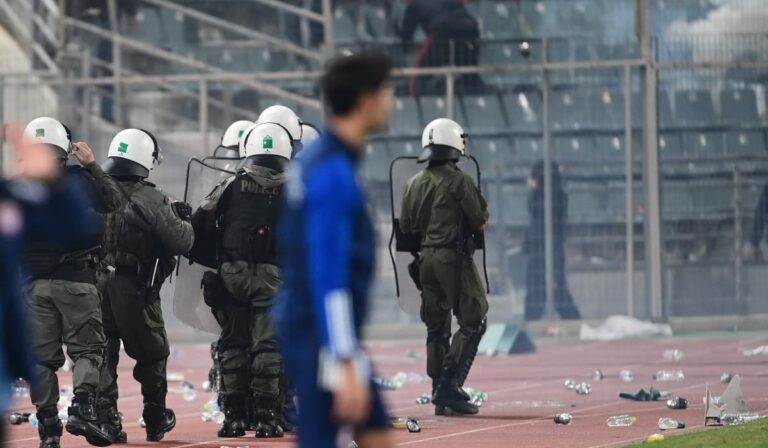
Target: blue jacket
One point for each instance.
(30, 211)
(326, 249)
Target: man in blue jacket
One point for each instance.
(36, 206)
(327, 249)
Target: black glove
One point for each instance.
(183, 210)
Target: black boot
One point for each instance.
(50, 428)
(83, 421)
(109, 420)
(266, 423)
(448, 394)
(233, 407)
(159, 420)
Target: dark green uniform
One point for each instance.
(434, 202)
(145, 235)
(64, 307)
(245, 207)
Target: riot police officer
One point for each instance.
(244, 209)
(443, 205)
(144, 235)
(230, 141)
(63, 299)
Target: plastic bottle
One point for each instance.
(669, 375)
(598, 375)
(627, 375)
(20, 388)
(33, 419)
(670, 423)
(569, 384)
(563, 419)
(621, 421)
(677, 403)
(424, 399)
(583, 388)
(673, 355)
(17, 418)
(188, 391)
(655, 438)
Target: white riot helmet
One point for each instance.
(133, 152)
(309, 133)
(267, 144)
(443, 139)
(285, 117)
(230, 141)
(49, 131)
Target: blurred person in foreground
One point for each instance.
(445, 208)
(327, 251)
(62, 295)
(534, 247)
(30, 203)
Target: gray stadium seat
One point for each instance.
(670, 146)
(569, 110)
(514, 203)
(377, 22)
(483, 113)
(712, 199)
(523, 110)
(739, 107)
(703, 145)
(694, 107)
(745, 144)
(606, 109)
(576, 150)
(498, 19)
(586, 205)
(676, 201)
(611, 148)
(343, 26)
(408, 147)
(533, 18)
(405, 116)
(377, 160)
(493, 154)
(528, 150)
(434, 107)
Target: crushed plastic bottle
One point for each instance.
(387, 384)
(583, 389)
(206, 386)
(738, 419)
(627, 375)
(621, 421)
(653, 438)
(188, 391)
(406, 423)
(726, 378)
(598, 375)
(669, 375)
(17, 418)
(20, 388)
(33, 420)
(563, 419)
(424, 399)
(142, 423)
(673, 355)
(677, 403)
(569, 384)
(666, 423)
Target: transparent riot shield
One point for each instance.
(402, 247)
(203, 175)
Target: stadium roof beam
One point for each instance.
(238, 29)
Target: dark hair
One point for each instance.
(347, 78)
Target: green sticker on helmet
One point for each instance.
(240, 133)
(40, 132)
(122, 148)
(267, 144)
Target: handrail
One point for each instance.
(187, 61)
(301, 12)
(233, 27)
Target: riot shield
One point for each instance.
(402, 247)
(188, 305)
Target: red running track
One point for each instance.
(525, 392)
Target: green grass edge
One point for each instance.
(750, 435)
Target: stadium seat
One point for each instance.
(712, 199)
(483, 113)
(611, 148)
(533, 18)
(523, 110)
(745, 144)
(694, 107)
(676, 201)
(405, 116)
(586, 205)
(508, 53)
(343, 26)
(739, 107)
(494, 155)
(377, 160)
(377, 22)
(703, 145)
(670, 146)
(513, 205)
(576, 150)
(528, 150)
(410, 147)
(569, 110)
(606, 109)
(498, 19)
(433, 107)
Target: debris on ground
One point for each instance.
(563, 419)
(653, 438)
(406, 423)
(666, 423)
(583, 389)
(424, 399)
(762, 350)
(598, 375)
(673, 355)
(726, 378)
(652, 395)
(627, 376)
(174, 377)
(569, 384)
(730, 404)
(677, 403)
(622, 327)
(669, 375)
(621, 420)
